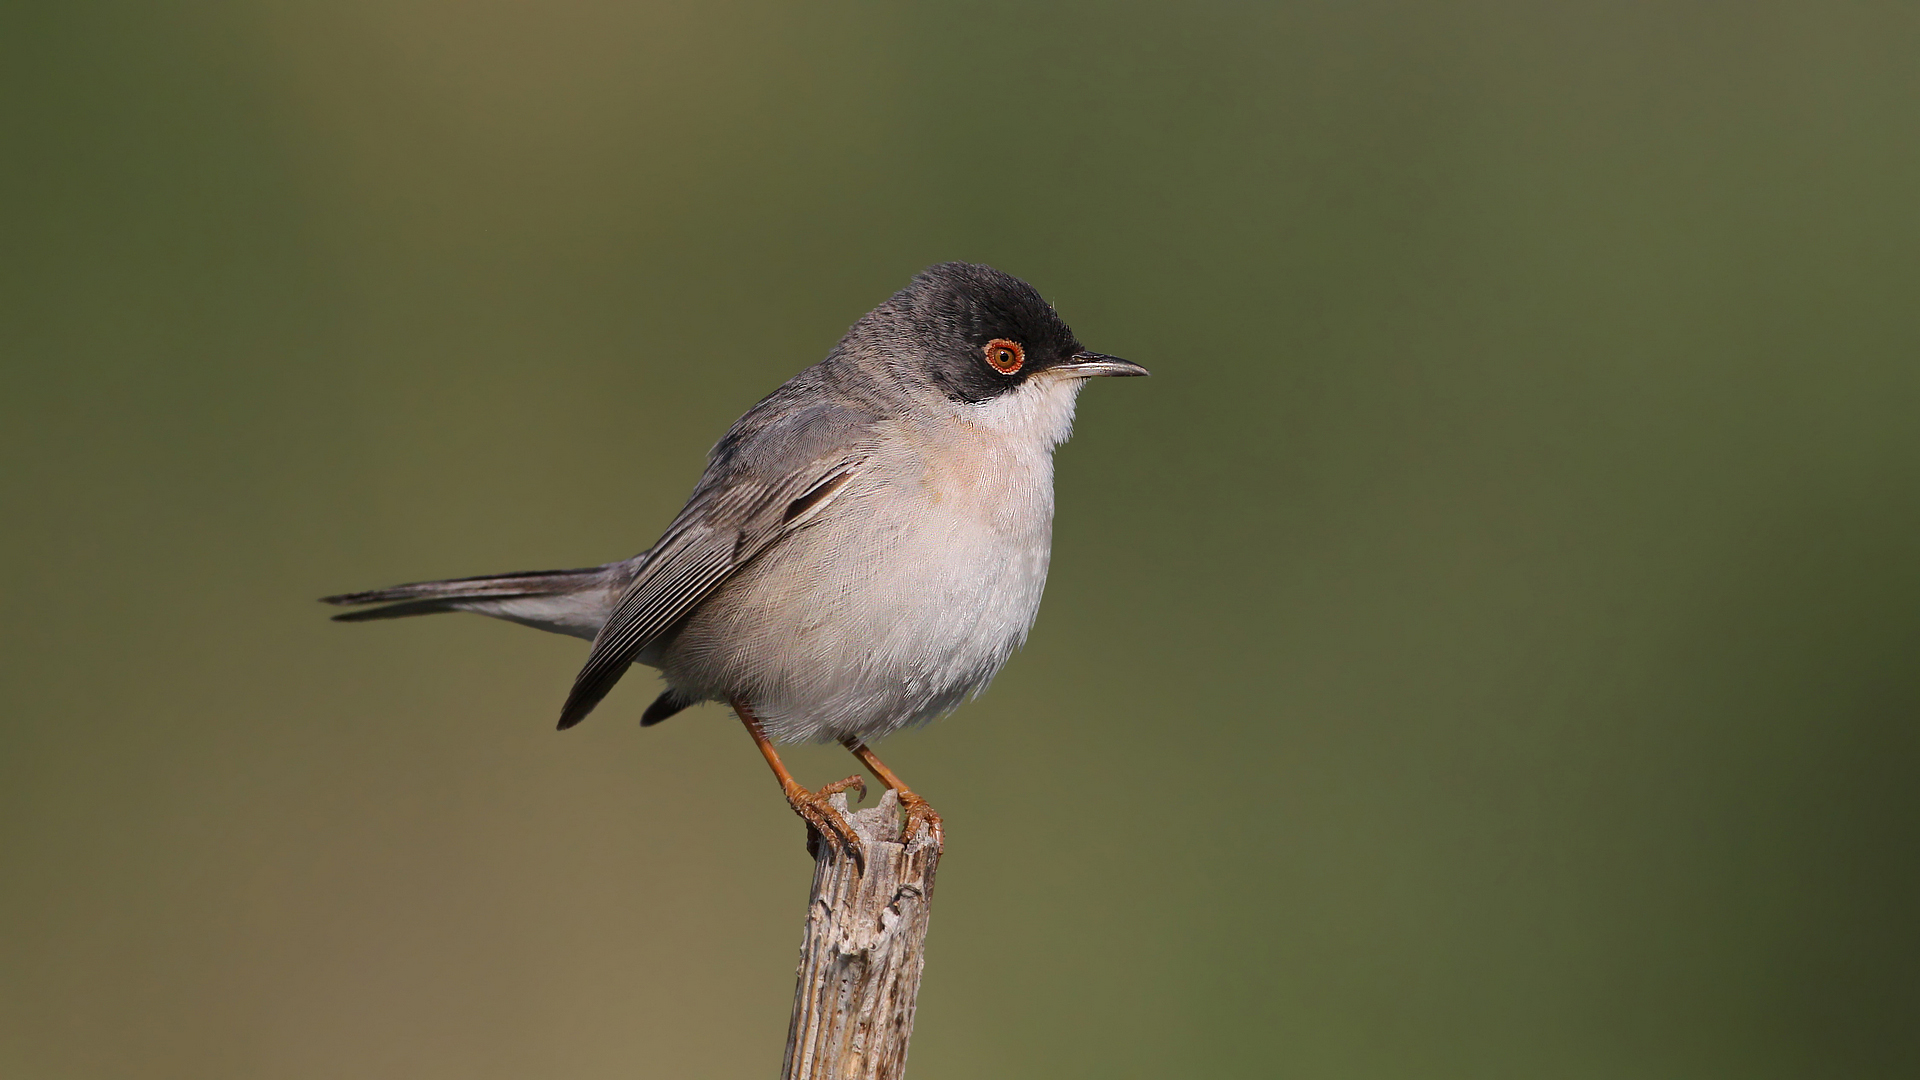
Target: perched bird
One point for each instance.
(865, 550)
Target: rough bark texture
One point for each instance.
(864, 947)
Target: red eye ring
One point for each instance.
(1005, 356)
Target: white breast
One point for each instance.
(908, 595)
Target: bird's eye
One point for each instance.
(1005, 356)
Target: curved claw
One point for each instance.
(855, 783)
(920, 813)
(825, 821)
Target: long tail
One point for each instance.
(573, 602)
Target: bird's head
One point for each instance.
(974, 335)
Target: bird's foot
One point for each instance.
(826, 823)
(921, 815)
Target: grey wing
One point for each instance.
(768, 477)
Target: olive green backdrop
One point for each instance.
(1489, 646)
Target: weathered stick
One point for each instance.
(864, 947)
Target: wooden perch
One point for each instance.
(864, 947)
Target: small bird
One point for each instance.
(865, 550)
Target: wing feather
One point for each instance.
(724, 526)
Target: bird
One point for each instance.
(865, 550)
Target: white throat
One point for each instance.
(1038, 414)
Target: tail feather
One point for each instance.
(396, 611)
(573, 602)
(524, 583)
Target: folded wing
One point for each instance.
(777, 470)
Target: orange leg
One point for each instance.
(812, 806)
(916, 807)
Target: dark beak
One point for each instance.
(1089, 364)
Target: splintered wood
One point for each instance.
(864, 947)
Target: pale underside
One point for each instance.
(902, 596)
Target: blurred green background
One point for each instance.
(1490, 646)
